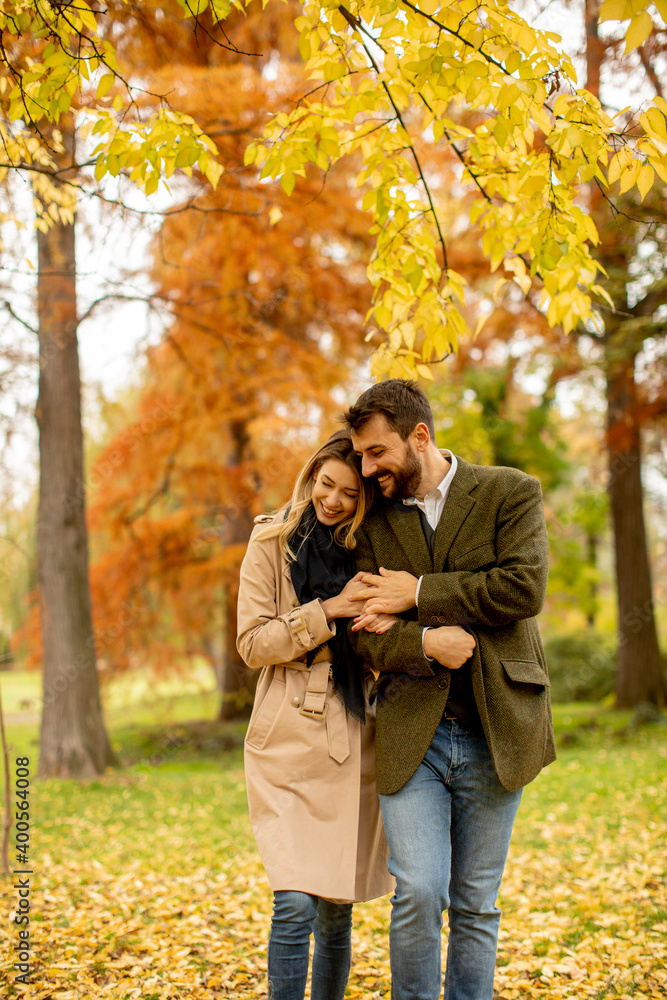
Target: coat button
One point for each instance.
(296, 701)
(442, 683)
(442, 620)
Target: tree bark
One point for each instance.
(73, 741)
(639, 675)
(238, 682)
(592, 560)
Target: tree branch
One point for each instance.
(7, 305)
(354, 23)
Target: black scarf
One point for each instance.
(321, 569)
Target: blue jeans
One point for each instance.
(449, 832)
(295, 916)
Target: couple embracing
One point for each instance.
(403, 701)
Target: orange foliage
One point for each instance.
(267, 323)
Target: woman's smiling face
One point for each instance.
(335, 492)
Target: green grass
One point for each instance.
(187, 803)
(159, 854)
(134, 706)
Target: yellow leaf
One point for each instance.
(662, 8)
(656, 122)
(660, 167)
(480, 323)
(275, 215)
(629, 176)
(640, 28)
(105, 85)
(612, 10)
(591, 230)
(599, 290)
(87, 18)
(614, 171)
(152, 183)
(645, 180)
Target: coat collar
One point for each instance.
(457, 507)
(406, 524)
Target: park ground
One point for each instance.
(147, 883)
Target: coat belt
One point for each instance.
(315, 706)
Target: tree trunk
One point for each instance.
(73, 738)
(238, 682)
(639, 676)
(592, 547)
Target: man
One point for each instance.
(463, 717)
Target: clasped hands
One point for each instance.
(379, 593)
(392, 592)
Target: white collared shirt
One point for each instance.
(434, 502)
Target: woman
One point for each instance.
(309, 748)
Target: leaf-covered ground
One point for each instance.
(147, 884)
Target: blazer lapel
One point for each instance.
(457, 507)
(406, 525)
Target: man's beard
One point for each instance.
(405, 481)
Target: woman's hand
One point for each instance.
(374, 623)
(450, 645)
(344, 605)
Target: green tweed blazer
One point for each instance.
(488, 573)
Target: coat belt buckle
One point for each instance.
(314, 713)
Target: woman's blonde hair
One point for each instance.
(338, 447)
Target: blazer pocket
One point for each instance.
(265, 714)
(526, 672)
(478, 558)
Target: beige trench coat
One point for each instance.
(310, 767)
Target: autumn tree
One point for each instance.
(265, 319)
(40, 99)
(540, 138)
(626, 346)
(632, 249)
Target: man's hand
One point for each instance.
(389, 593)
(449, 645)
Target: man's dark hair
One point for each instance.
(403, 404)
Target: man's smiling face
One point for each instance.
(386, 457)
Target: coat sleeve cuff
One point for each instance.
(308, 625)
